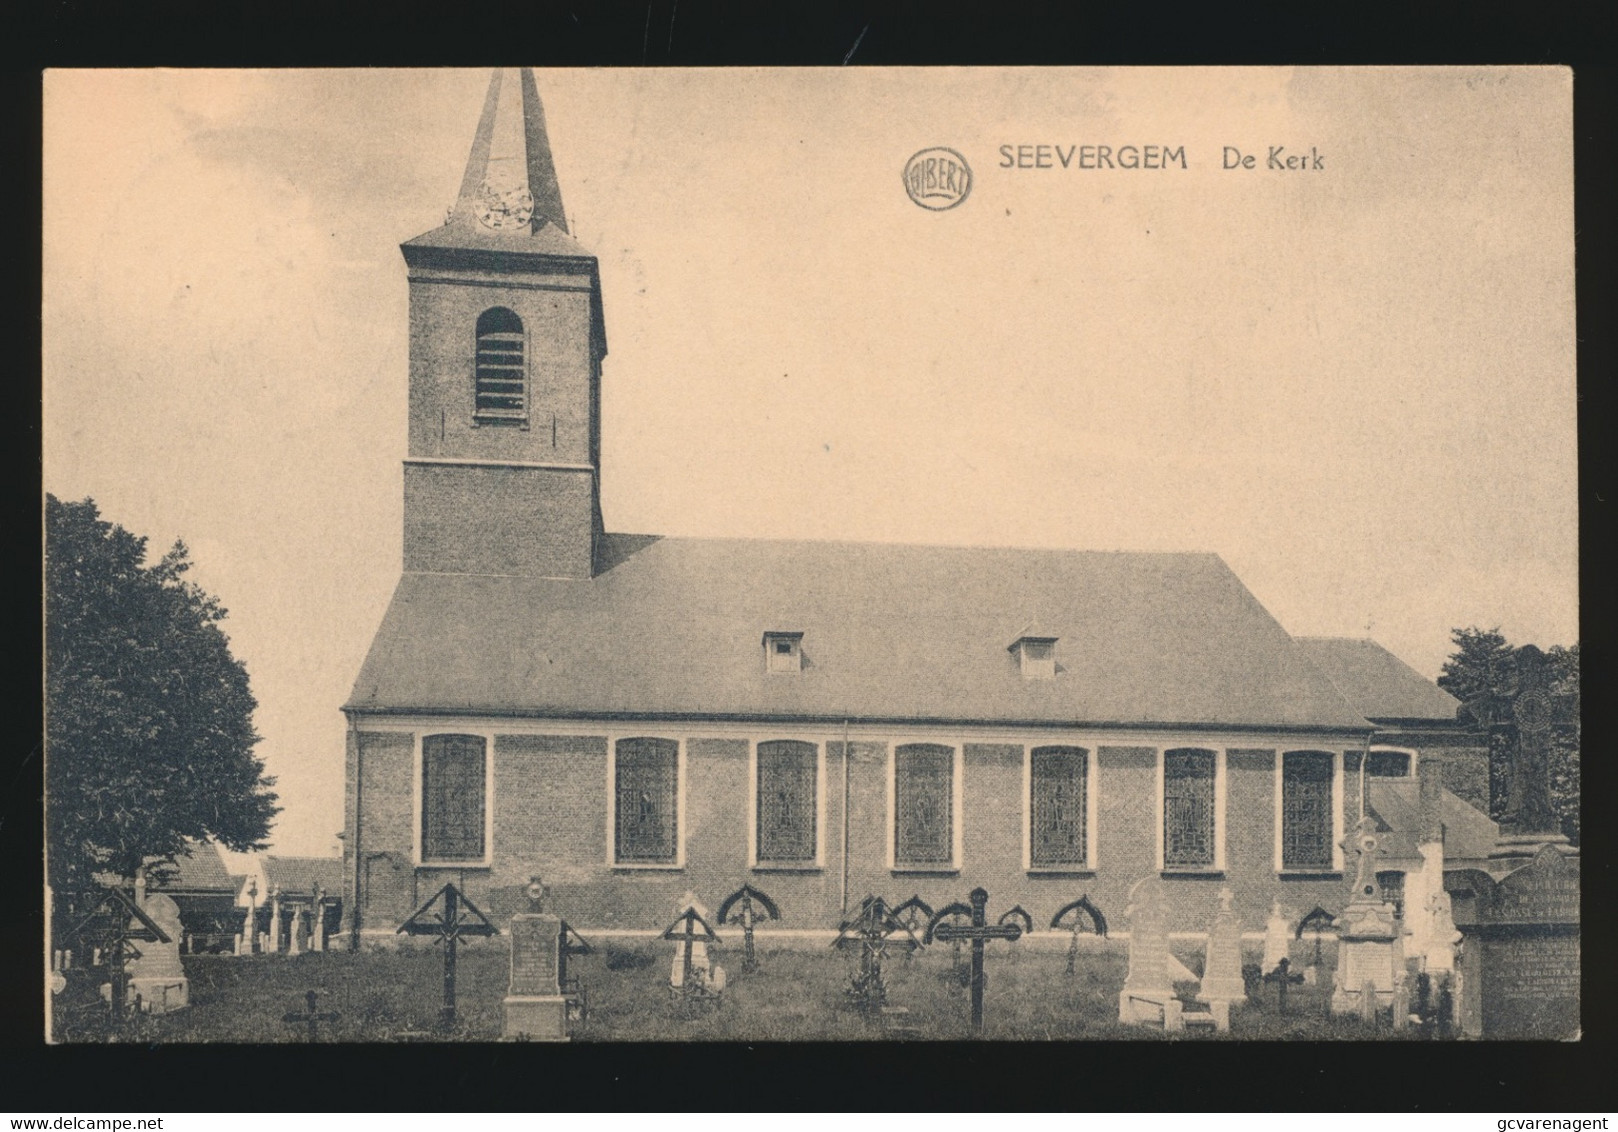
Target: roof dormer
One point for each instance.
(783, 653)
(1036, 655)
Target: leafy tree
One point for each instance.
(1480, 674)
(149, 719)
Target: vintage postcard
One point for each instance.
(755, 555)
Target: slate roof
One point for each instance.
(1377, 683)
(298, 876)
(673, 628)
(202, 871)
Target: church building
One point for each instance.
(633, 717)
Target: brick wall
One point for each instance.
(550, 814)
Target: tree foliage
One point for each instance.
(1480, 673)
(149, 718)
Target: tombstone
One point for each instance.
(535, 1008)
(1518, 970)
(1277, 939)
(1148, 995)
(274, 937)
(156, 976)
(317, 926)
(295, 929)
(1369, 954)
(1222, 968)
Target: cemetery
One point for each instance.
(963, 973)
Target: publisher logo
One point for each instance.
(938, 178)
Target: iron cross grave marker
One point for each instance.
(978, 932)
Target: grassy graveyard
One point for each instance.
(795, 995)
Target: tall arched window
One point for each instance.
(502, 385)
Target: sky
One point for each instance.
(1355, 383)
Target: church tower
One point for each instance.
(506, 342)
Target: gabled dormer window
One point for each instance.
(1036, 656)
(501, 374)
(783, 653)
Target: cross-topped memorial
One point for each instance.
(1527, 715)
(978, 932)
(750, 905)
(870, 929)
(456, 918)
(122, 920)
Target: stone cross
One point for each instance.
(1536, 711)
(978, 932)
(1363, 841)
(317, 926)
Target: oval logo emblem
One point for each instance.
(938, 178)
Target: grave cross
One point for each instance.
(747, 896)
(1527, 715)
(310, 1017)
(1081, 909)
(1282, 978)
(687, 936)
(458, 918)
(913, 914)
(568, 942)
(977, 932)
(116, 911)
(869, 930)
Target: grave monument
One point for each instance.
(1222, 966)
(1370, 960)
(1148, 995)
(156, 974)
(1277, 938)
(535, 1007)
(1518, 969)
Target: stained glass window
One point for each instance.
(647, 771)
(1058, 779)
(501, 383)
(1306, 821)
(924, 805)
(1188, 809)
(786, 801)
(452, 798)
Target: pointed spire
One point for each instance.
(510, 183)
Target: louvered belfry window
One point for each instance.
(501, 375)
(647, 772)
(1188, 809)
(786, 802)
(1306, 825)
(1058, 779)
(452, 798)
(924, 805)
